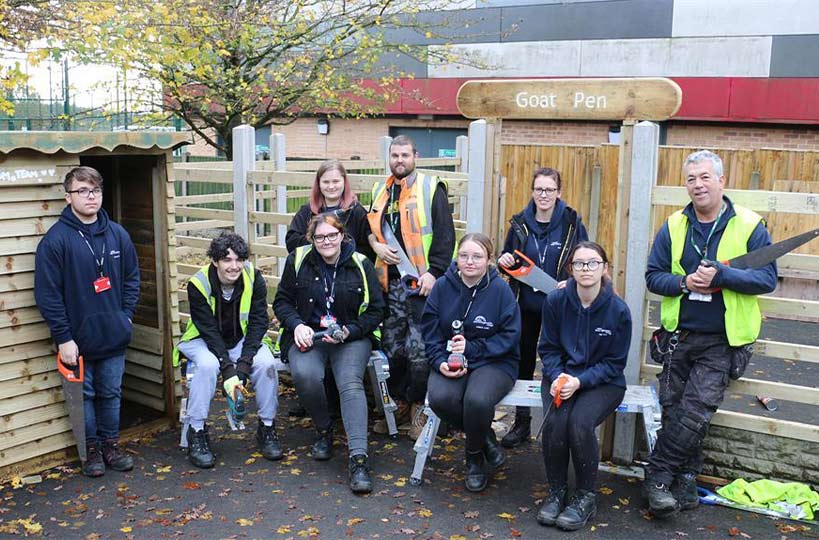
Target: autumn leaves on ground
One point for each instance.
(247, 497)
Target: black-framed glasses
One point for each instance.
(592, 265)
(320, 238)
(541, 191)
(86, 193)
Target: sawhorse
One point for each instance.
(638, 399)
(377, 366)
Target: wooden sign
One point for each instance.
(654, 98)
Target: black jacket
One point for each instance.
(297, 295)
(354, 220)
(222, 330)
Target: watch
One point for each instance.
(683, 288)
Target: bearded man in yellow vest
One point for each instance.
(710, 318)
(227, 335)
(415, 207)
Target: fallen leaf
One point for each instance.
(457, 537)
(163, 469)
(354, 521)
(295, 471)
(425, 512)
(16, 482)
(242, 522)
(284, 529)
(733, 531)
(193, 485)
(250, 461)
(472, 514)
(507, 516)
(624, 502)
(126, 529)
(605, 490)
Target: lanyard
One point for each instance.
(704, 253)
(99, 262)
(541, 256)
(329, 290)
(468, 307)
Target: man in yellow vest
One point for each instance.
(710, 318)
(415, 207)
(227, 334)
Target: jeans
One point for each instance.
(348, 362)
(468, 402)
(102, 394)
(570, 429)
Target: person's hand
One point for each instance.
(385, 253)
(458, 344)
(303, 336)
(561, 284)
(444, 369)
(570, 386)
(700, 281)
(69, 353)
(425, 283)
(506, 260)
(345, 333)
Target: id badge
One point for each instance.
(449, 345)
(102, 284)
(326, 321)
(699, 297)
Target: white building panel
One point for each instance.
(522, 59)
(745, 17)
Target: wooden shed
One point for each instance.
(35, 432)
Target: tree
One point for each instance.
(221, 63)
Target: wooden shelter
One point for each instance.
(35, 431)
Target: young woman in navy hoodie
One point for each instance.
(584, 340)
(472, 293)
(546, 231)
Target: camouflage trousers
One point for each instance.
(403, 344)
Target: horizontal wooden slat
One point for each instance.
(34, 432)
(759, 201)
(26, 226)
(19, 245)
(143, 399)
(53, 192)
(796, 261)
(41, 447)
(26, 418)
(272, 218)
(203, 174)
(23, 351)
(16, 317)
(23, 334)
(20, 281)
(771, 426)
(142, 358)
(32, 383)
(30, 400)
(25, 368)
(784, 308)
(11, 264)
(29, 209)
(202, 199)
(202, 225)
(193, 241)
(204, 213)
(146, 339)
(268, 250)
(145, 373)
(17, 299)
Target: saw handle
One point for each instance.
(560, 382)
(523, 265)
(75, 373)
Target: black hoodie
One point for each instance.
(64, 274)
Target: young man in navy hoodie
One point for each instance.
(86, 284)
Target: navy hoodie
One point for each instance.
(588, 343)
(64, 276)
(491, 328)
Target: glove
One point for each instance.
(230, 386)
(243, 377)
(243, 367)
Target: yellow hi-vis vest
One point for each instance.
(743, 318)
(202, 283)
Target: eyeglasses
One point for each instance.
(86, 193)
(540, 192)
(462, 257)
(592, 265)
(320, 238)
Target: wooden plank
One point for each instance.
(30, 400)
(34, 432)
(32, 383)
(141, 372)
(17, 282)
(202, 225)
(26, 226)
(268, 250)
(16, 263)
(37, 448)
(204, 213)
(215, 164)
(17, 299)
(770, 426)
(17, 173)
(193, 241)
(420, 163)
(204, 175)
(26, 418)
(29, 209)
(23, 334)
(142, 358)
(145, 338)
(52, 192)
(37, 464)
(202, 199)
(19, 245)
(26, 350)
(782, 308)
(16, 317)
(759, 201)
(633, 98)
(27, 368)
(272, 218)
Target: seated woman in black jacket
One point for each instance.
(331, 193)
(584, 342)
(472, 296)
(328, 286)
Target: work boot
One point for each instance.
(417, 420)
(661, 502)
(492, 452)
(323, 447)
(552, 506)
(268, 441)
(402, 416)
(199, 453)
(360, 480)
(93, 466)
(684, 489)
(115, 458)
(580, 510)
(476, 478)
(521, 430)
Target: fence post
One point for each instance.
(644, 155)
(477, 176)
(278, 154)
(594, 207)
(384, 152)
(462, 152)
(244, 161)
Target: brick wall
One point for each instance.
(744, 136)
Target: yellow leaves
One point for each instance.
(605, 490)
(126, 529)
(242, 522)
(16, 482)
(284, 529)
(401, 482)
(354, 521)
(165, 469)
(624, 502)
(425, 512)
(250, 461)
(295, 471)
(310, 531)
(457, 537)
(507, 516)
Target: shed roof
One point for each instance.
(75, 142)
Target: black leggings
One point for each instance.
(468, 402)
(570, 428)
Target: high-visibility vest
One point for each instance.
(415, 211)
(743, 318)
(202, 283)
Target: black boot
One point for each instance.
(93, 466)
(494, 454)
(115, 458)
(580, 510)
(521, 429)
(661, 502)
(552, 506)
(268, 441)
(360, 480)
(476, 477)
(323, 447)
(684, 489)
(199, 453)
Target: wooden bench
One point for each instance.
(638, 399)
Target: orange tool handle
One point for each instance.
(71, 373)
(560, 382)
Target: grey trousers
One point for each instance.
(349, 363)
(206, 371)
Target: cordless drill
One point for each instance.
(456, 361)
